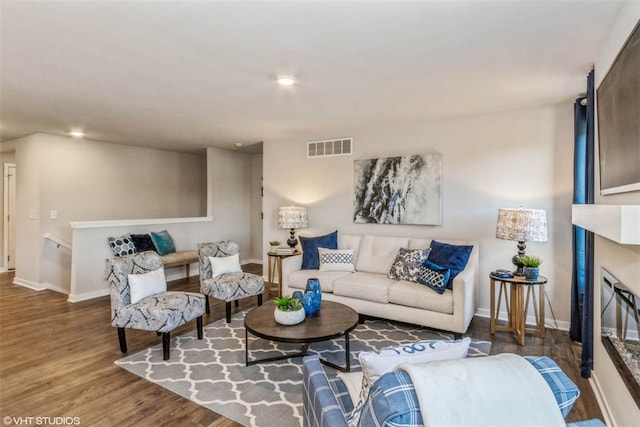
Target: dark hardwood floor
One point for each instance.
(56, 360)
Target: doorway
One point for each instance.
(9, 210)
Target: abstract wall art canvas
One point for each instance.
(398, 190)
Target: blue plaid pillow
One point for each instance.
(392, 401)
(564, 390)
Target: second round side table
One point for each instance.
(517, 305)
(275, 268)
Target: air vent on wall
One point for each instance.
(330, 147)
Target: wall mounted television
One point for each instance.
(619, 120)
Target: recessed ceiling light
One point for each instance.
(76, 134)
(286, 80)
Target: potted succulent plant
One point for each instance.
(531, 266)
(289, 310)
(274, 244)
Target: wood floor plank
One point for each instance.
(57, 359)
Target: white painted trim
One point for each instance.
(251, 261)
(57, 240)
(87, 296)
(39, 286)
(620, 223)
(28, 284)
(601, 399)
(129, 222)
(531, 320)
(54, 288)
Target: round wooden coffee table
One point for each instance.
(334, 320)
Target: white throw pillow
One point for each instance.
(146, 284)
(374, 365)
(336, 259)
(225, 264)
(353, 383)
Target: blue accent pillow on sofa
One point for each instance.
(310, 245)
(453, 257)
(434, 276)
(163, 242)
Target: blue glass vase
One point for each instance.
(312, 298)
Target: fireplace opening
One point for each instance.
(620, 329)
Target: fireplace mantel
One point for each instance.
(620, 223)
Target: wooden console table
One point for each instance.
(517, 305)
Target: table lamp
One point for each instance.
(521, 225)
(292, 217)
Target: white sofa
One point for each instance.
(371, 292)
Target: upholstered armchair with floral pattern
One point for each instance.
(139, 299)
(221, 276)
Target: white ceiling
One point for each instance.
(187, 75)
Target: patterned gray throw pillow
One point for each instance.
(407, 264)
(122, 246)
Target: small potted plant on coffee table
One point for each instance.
(289, 310)
(531, 266)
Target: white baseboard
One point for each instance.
(601, 399)
(28, 284)
(88, 295)
(531, 320)
(39, 286)
(251, 261)
(54, 288)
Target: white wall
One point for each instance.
(622, 260)
(90, 180)
(511, 159)
(257, 245)
(229, 184)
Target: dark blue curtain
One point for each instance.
(583, 193)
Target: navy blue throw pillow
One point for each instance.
(453, 257)
(434, 276)
(143, 242)
(310, 245)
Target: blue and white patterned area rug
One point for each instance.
(212, 373)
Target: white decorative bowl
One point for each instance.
(288, 317)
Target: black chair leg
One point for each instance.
(122, 339)
(199, 326)
(206, 304)
(166, 341)
(259, 300)
(228, 311)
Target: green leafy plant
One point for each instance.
(530, 261)
(286, 303)
(274, 243)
